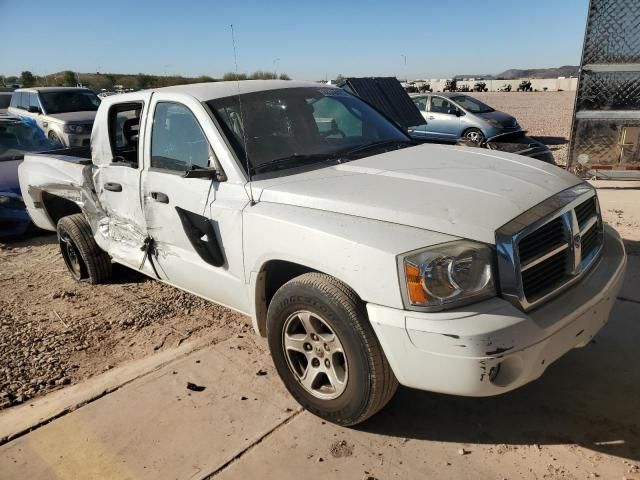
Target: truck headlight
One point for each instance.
(73, 128)
(448, 275)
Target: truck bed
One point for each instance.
(81, 155)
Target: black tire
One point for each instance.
(84, 259)
(474, 134)
(370, 383)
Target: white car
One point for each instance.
(366, 260)
(64, 114)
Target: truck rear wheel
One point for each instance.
(326, 352)
(84, 259)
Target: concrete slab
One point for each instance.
(579, 419)
(156, 428)
(631, 288)
(23, 418)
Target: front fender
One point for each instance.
(358, 251)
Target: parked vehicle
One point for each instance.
(424, 88)
(449, 116)
(505, 88)
(480, 87)
(365, 260)
(64, 114)
(5, 100)
(16, 138)
(513, 142)
(525, 86)
(450, 86)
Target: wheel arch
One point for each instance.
(57, 207)
(273, 274)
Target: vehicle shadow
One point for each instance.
(551, 140)
(31, 238)
(589, 397)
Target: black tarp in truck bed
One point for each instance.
(388, 96)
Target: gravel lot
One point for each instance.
(545, 115)
(55, 332)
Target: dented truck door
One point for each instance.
(196, 245)
(118, 162)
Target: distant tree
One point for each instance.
(102, 81)
(11, 80)
(69, 78)
(284, 76)
(203, 79)
(263, 75)
(229, 76)
(3, 80)
(27, 79)
(143, 80)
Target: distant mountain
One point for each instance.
(564, 71)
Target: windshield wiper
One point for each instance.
(378, 144)
(297, 159)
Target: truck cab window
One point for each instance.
(177, 141)
(124, 132)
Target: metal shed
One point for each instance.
(605, 136)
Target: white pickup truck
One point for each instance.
(365, 259)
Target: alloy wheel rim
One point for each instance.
(474, 136)
(315, 355)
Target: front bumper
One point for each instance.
(493, 347)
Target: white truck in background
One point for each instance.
(365, 259)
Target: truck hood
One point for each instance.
(465, 192)
(73, 117)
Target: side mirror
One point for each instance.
(210, 173)
(34, 109)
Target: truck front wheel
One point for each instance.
(325, 350)
(84, 259)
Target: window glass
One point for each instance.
(65, 101)
(334, 120)
(282, 129)
(16, 101)
(124, 131)
(421, 103)
(440, 105)
(177, 141)
(472, 104)
(33, 100)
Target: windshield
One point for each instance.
(5, 100)
(16, 138)
(471, 104)
(291, 127)
(70, 101)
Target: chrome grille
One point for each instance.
(549, 247)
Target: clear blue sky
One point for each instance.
(312, 39)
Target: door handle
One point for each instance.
(431, 117)
(160, 197)
(113, 187)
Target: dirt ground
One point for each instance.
(55, 331)
(545, 115)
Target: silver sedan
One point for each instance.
(451, 115)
